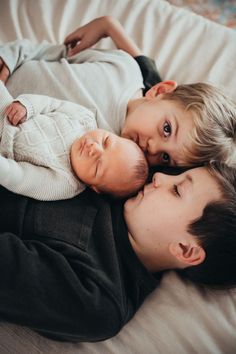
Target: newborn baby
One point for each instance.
(50, 149)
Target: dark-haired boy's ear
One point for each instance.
(161, 87)
(187, 254)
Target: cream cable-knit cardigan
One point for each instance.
(35, 155)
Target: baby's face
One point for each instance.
(100, 158)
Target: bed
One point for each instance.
(178, 317)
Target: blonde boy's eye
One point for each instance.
(167, 129)
(165, 158)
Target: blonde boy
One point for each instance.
(174, 125)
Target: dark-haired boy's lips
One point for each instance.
(140, 194)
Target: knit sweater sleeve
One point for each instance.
(41, 104)
(14, 54)
(37, 182)
(5, 98)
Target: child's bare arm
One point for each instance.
(106, 26)
(16, 113)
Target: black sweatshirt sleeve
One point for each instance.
(40, 288)
(149, 72)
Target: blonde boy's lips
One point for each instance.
(136, 140)
(143, 147)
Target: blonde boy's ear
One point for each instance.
(187, 254)
(161, 87)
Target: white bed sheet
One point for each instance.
(177, 317)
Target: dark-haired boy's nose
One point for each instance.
(159, 179)
(156, 179)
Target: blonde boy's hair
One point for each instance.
(214, 135)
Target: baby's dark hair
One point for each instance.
(216, 233)
(133, 184)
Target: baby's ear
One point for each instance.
(161, 87)
(95, 189)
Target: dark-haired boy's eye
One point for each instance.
(167, 129)
(165, 157)
(176, 191)
(105, 143)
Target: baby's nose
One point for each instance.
(95, 149)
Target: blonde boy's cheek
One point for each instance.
(153, 160)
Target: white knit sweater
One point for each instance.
(35, 155)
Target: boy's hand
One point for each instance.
(106, 26)
(16, 113)
(4, 71)
(86, 36)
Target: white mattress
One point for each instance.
(177, 317)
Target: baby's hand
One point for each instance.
(16, 113)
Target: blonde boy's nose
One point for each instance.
(154, 146)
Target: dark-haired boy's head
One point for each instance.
(187, 222)
(216, 232)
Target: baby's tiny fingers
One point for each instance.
(22, 120)
(12, 118)
(8, 109)
(17, 117)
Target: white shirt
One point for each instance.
(103, 81)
